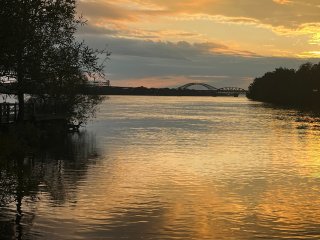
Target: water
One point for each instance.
(173, 168)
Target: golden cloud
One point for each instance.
(287, 16)
(282, 1)
(163, 20)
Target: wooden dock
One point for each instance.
(8, 113)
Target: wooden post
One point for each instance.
(0, 112)
(15, 112)
(8, 112)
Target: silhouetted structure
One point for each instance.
(104, 88)
(184, 90)
(8, 112)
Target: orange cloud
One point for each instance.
(264, 11)
(280, 23)
(282, 1)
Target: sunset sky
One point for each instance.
(167, 43)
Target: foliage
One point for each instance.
(39, 51)
(74, 107)
(289, 86)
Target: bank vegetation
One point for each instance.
(285, 86)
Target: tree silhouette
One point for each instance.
(288, 86)
(39, 52)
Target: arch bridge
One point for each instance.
(223, 90)
(186, 86)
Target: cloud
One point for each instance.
(264, 11)
(160, 49)
(220, 42)
(169, 20)
(282, 1)
(166, 64)
(286, 13)
(126, 33)
(104, 10)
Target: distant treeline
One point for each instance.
(106, 90)
(289, 86)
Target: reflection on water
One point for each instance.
(31, 173)
(171, 168)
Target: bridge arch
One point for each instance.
(209, 87)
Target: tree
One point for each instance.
(39, 52)
(288, 86)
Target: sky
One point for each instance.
(168, 43)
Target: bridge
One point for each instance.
(229, 91)
(106, 89)
(209, 87)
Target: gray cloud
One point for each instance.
(159, 49)
(89, 29)
(165, 61)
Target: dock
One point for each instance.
(9, 114)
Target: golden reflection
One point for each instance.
(226, 172)
(288, 206)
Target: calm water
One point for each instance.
(172, 168)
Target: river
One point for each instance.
(173, 168)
